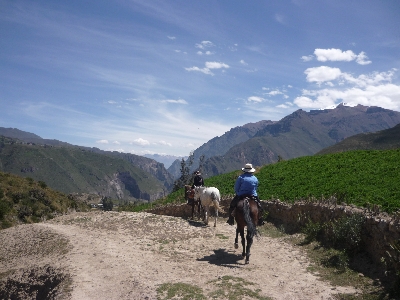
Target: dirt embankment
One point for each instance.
(111, 255)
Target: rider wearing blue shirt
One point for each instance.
(246, 185)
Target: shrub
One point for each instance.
(346, 232)
(107, 203)
(312, 231)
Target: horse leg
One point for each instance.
(236, 238)
(198, 208)
(249, 243)
(216, 216)
(193, 210)
(243, 242)
(206, 213)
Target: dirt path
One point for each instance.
(110, 255)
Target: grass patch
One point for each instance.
(179, 290)
(226, 287)
(221, 236)
(234, 288)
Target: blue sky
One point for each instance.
(164, 77)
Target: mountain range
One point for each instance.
(298, 134)
(76, 169)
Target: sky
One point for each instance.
(166, 76)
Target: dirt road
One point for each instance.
(111, 255)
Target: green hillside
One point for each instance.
(356, 177)
(23, 200)
(76, 170)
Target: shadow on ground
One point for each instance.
(223, 258)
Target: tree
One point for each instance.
(186, 177)
(107, 203)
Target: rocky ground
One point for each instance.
(121, 255)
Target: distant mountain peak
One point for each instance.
(340, 104)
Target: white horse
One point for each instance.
(208, 196)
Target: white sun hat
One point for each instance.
(248, 168)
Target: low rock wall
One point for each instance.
(378, 233)
(379, 230)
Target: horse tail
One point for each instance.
(251, 228)
(216, 198)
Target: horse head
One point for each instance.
(189, 192)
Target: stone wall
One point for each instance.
(379, 231)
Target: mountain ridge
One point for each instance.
(302, 133)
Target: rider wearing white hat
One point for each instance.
(246, 185)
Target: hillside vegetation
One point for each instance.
(23, 200)
(77, 170)
(355, 177)
(361, 178)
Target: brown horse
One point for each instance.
(246, 214)
(189, 196)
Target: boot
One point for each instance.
(231, 219)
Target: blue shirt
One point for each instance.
(246, 184)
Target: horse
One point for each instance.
(208, 196)
(246, 214)
(195, 202)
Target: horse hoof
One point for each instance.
(236, 246)
(247, 262)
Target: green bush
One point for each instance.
(312, 231)
(107, 203)
(345, 233)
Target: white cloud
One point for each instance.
(374, 89)
(102, 142)
(243, 62)
(255, 99)
(171, 37)
(141, 142)
(307, 58)
(274, 93)
(334, 55)
(197, 69)
(204, 44)
(216, 65)
(205, 53)
(209, 65)
(339, 55)
(116, 143)
(165, 143)
(285, 105)
(362, 59)
(321, 74)
(179, 101)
